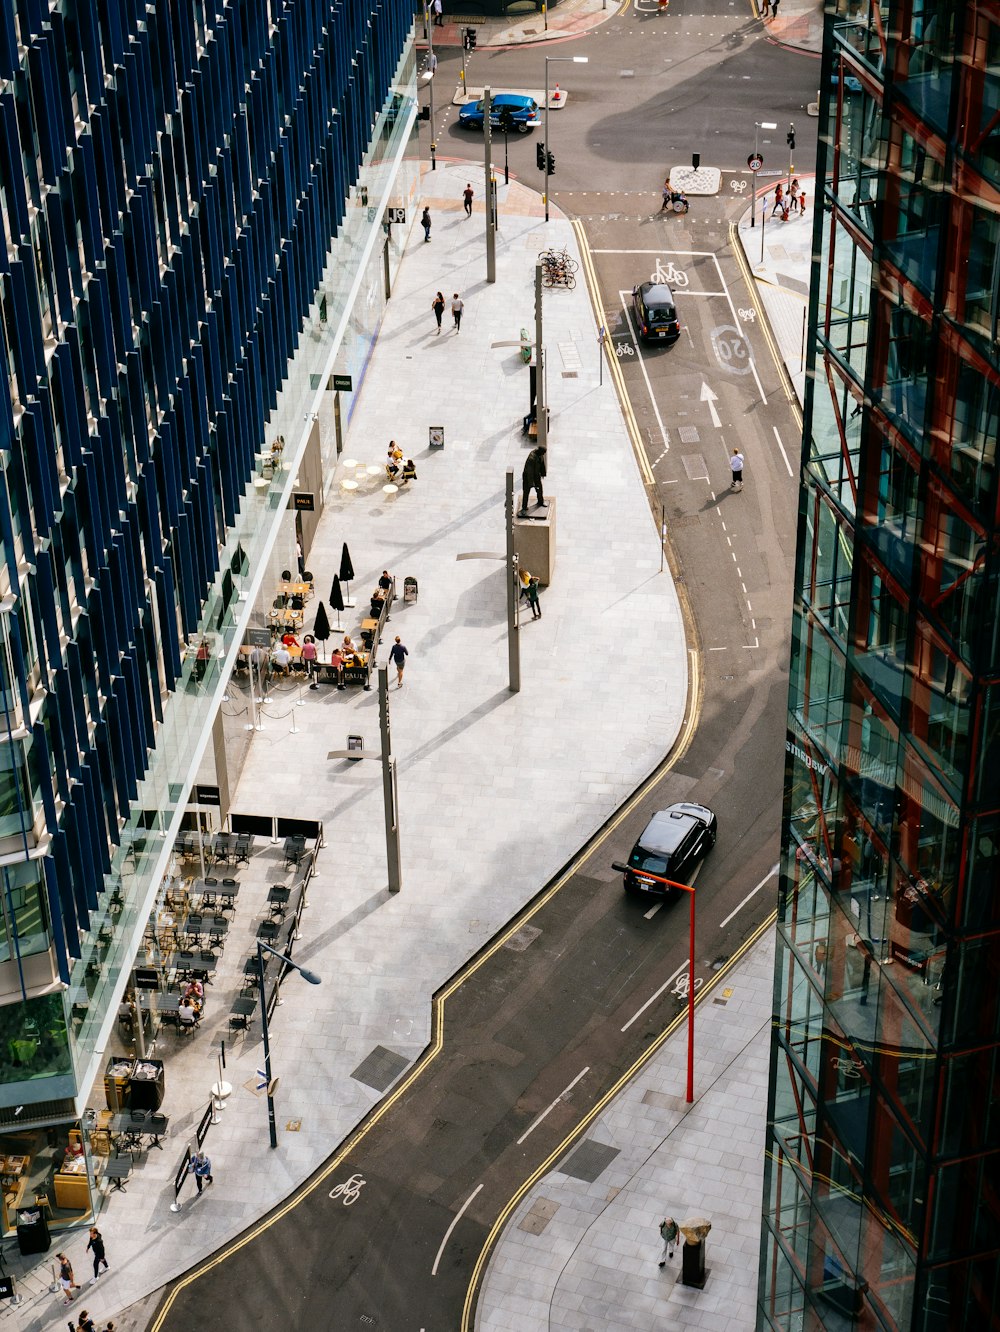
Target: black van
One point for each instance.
(655, 312)
(670, 846)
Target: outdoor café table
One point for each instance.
(118, 1169)
(278, 899)
(241, 1011)
(223, 846)
(153, 1126)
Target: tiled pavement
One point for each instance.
(495, 790)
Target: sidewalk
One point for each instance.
(779, 254)
(581, 1252)
(495, 790)
(570, 18)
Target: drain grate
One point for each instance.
(589, 1161)
(380, 1069)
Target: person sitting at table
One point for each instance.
(194, 990)
(409, 471)
(348, 647)
(281, 659)
(73, 1151)
(289, 639)
(378, 601)
(385, 582)
(187, 1014)
(337, 662)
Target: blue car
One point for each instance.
(523, 113)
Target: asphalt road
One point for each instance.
(656, 89)
(549, 1017)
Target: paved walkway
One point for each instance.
(779, 255)
(495, 790)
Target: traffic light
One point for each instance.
(790, 138)
(550, 165)
(540, 156)
(470, 39)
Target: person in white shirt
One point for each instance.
(457, 306)
(736, 466)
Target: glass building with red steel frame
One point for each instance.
(882, 1183)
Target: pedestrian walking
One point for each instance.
(467, 197)
(201, 1167)
(765, 7)
(736, 467)
(532, 477)
(86, 1323)
(457, 306)
(774, 8)
(669, 1231)
(436, 6)
(802, 203)
(779, 199)
(425, 222)
(96, 1246)
(437, 305)
(536, 610)
(793, 195)
(66, 1279)
(398, 654)
(309, 655)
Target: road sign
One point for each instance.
(755, 161)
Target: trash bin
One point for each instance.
(32, 1231)
(409, 591)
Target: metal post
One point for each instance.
(541, 403)
(690, 1078)
(802, 355)
(513, 629)
(753, 176)
(389, 785)
(430, 64)
(464, 89)
(545, 145)
(763, 221)
(663, 534)
(491, 240)
(271, 1127)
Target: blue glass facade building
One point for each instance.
(180, 187)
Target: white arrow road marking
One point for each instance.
(711, 398)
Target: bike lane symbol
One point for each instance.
(349, 1191)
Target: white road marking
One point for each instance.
(769, 875)
(561, 1097)
(782, 448)
(652, 911)
(718, 649)
(732, 307)
(454, 1222)
(707, 395)
(653, 998)
(642, 366)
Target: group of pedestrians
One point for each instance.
(69, 1284)
(794, 201)
(769, 5)
(457, 308)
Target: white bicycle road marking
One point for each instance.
(349, 1190)
(738, 185)
(681, 988)
(671, 275)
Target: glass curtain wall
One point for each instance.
(880, 1206)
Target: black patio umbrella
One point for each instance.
(321, 628)
(337, 600)
(346, 573)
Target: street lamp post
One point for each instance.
(430, 91)
(758, 125)
(576, 60)
(313, 979)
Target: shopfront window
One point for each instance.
(48, 1181)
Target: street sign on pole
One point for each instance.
(755, 162)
